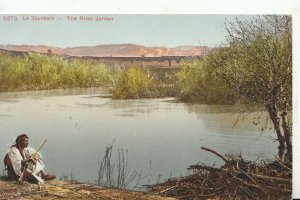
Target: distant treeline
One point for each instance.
(34, 71)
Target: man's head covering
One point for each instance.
(19, 138)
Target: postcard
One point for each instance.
(165, 105)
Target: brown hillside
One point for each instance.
(114, 50)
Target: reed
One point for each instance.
(117, 173)
(35, 71)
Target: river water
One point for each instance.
(162, 137)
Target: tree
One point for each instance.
(257, 63)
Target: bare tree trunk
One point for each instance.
(287, 132)
(273, 113)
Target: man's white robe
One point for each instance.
(16, 159)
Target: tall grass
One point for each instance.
(115, 171)
(201, 83)
(137, 82)
(118, 175)
(38, 71)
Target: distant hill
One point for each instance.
(113, 50)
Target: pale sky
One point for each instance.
(148, 30)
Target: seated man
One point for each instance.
(21, 157)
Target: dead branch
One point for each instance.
(237, 166)
(284, 180)
(216, 153)
(166, 190)
(282, 164)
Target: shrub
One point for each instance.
(201, 83)
(134, 83)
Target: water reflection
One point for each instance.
(169, 134)
(218, 109)
(231, 117)
(14, 96)
(236, 128)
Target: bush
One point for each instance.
(201, 83)
(135, 83)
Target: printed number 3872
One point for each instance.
(10, 18)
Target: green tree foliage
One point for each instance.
(38, 71)
(258, 65)
(134, 83)
(201, 83)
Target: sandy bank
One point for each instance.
(67, 190)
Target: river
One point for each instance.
(162, 137)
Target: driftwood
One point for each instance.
(282, 164)
(216, 153)
(269, 178)
(237, 166)
(236, 179)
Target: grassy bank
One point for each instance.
(38, 71)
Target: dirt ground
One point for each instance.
(67, 190)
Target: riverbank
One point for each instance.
(68, 190)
